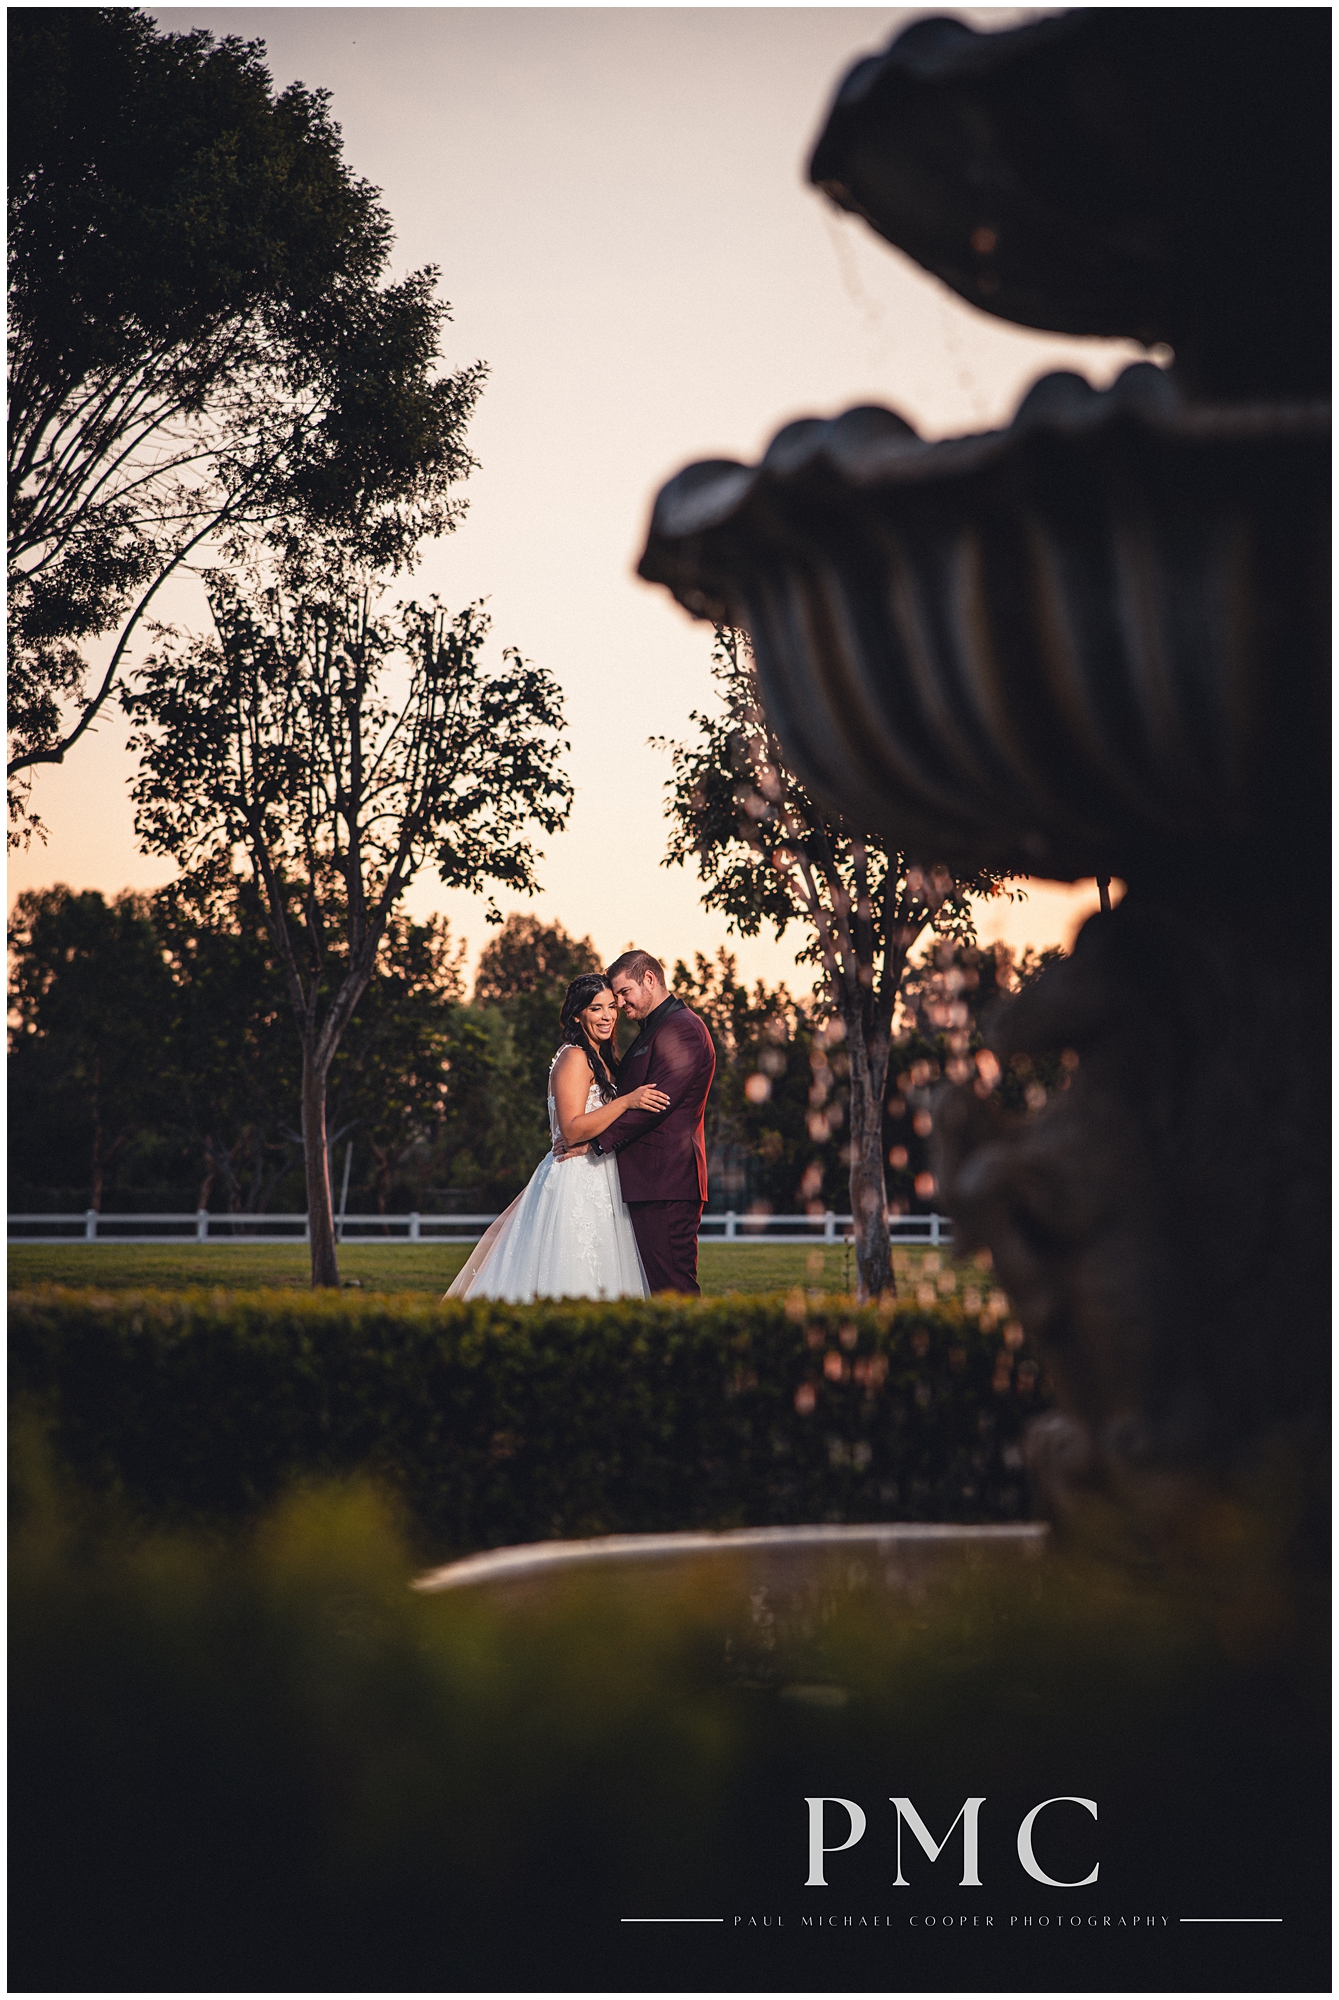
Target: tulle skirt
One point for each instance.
(567, 1236)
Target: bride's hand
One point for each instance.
(647, 1098)
(562, 1151)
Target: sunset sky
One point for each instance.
(616, 200)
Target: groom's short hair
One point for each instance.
(637, 964)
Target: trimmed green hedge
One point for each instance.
(498, 1424)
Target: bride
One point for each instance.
(569, 1234)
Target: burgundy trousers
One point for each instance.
(666, 1233)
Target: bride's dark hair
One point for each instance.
(579, 996)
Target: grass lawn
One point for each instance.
(430, 1267)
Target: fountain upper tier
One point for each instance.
(1094, 642)
(1156, 172)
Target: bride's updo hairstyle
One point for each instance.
(579, 996)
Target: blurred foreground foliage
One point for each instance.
(499, 1423)
(261, 1761)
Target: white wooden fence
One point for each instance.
(205, 1226)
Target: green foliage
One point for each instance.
(527, 957)
(264, 1764)
(524, 971)
(494, 1132)
(202, 351)
(235, 1116)
(153, 1064)
(200, 1074)
(91, 1017)
(498, 1424)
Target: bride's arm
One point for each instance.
(571, 1083)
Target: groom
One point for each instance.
(662, 1161)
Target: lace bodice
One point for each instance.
(592, 1100)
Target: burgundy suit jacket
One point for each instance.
(661, 1154)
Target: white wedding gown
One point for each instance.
(567, 1236)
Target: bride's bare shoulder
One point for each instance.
(569, 1060)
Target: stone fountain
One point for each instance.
(1096, 643)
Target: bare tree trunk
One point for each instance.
(869, 1193)
(320, 1209)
